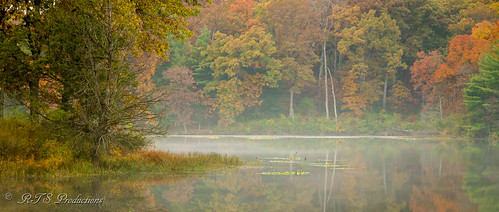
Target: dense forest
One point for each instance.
(336, 60)
(282, 66)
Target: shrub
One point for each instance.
(28, 148)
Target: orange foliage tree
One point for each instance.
(294, 28)
(423, 77)
(460, 65)
(446, 79)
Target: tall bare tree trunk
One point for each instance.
(325, 78)
(334, 97)
(440, 103)
(291, 110)
(384, 91)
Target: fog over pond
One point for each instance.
(297, 174)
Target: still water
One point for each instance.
(293, 174)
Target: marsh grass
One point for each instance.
(159, 161)
(33, 149)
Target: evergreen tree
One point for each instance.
(482, 95)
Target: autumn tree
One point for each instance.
(242, 16)
(374, 54)
(401, 97)
(293, 27)
(460, 65)
(91, 53)
(242, 66)
(182, 94)
(353, 101)
(213, 17)
(231, 17)
(465, 14)
(423, 77)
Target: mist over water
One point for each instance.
(367, 175)
(296, 174)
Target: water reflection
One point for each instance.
(118, 193)
(375, 175)
(344, 175)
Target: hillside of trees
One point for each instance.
(333, 60)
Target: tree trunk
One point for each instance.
(325, 79)
(291, 110)
(185, 128)
(384, 91)
(65, 97)
(334, 97)
(440, 103)
(96, 153)
(213, 31)
(2, 102)
(33, 102)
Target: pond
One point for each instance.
(291, 174)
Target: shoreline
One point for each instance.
(273, 137)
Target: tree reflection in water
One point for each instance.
(361, 175)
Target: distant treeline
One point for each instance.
(336, 59)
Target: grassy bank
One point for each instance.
(33, 149)
(369, 124)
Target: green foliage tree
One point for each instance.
(242, 66)
(22, 50)
(482, 95)
(425, 29)
(91, 52)
(202, 71)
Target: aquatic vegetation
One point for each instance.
(282, 161)
(285, 173)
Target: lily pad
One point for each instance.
(286, 173)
